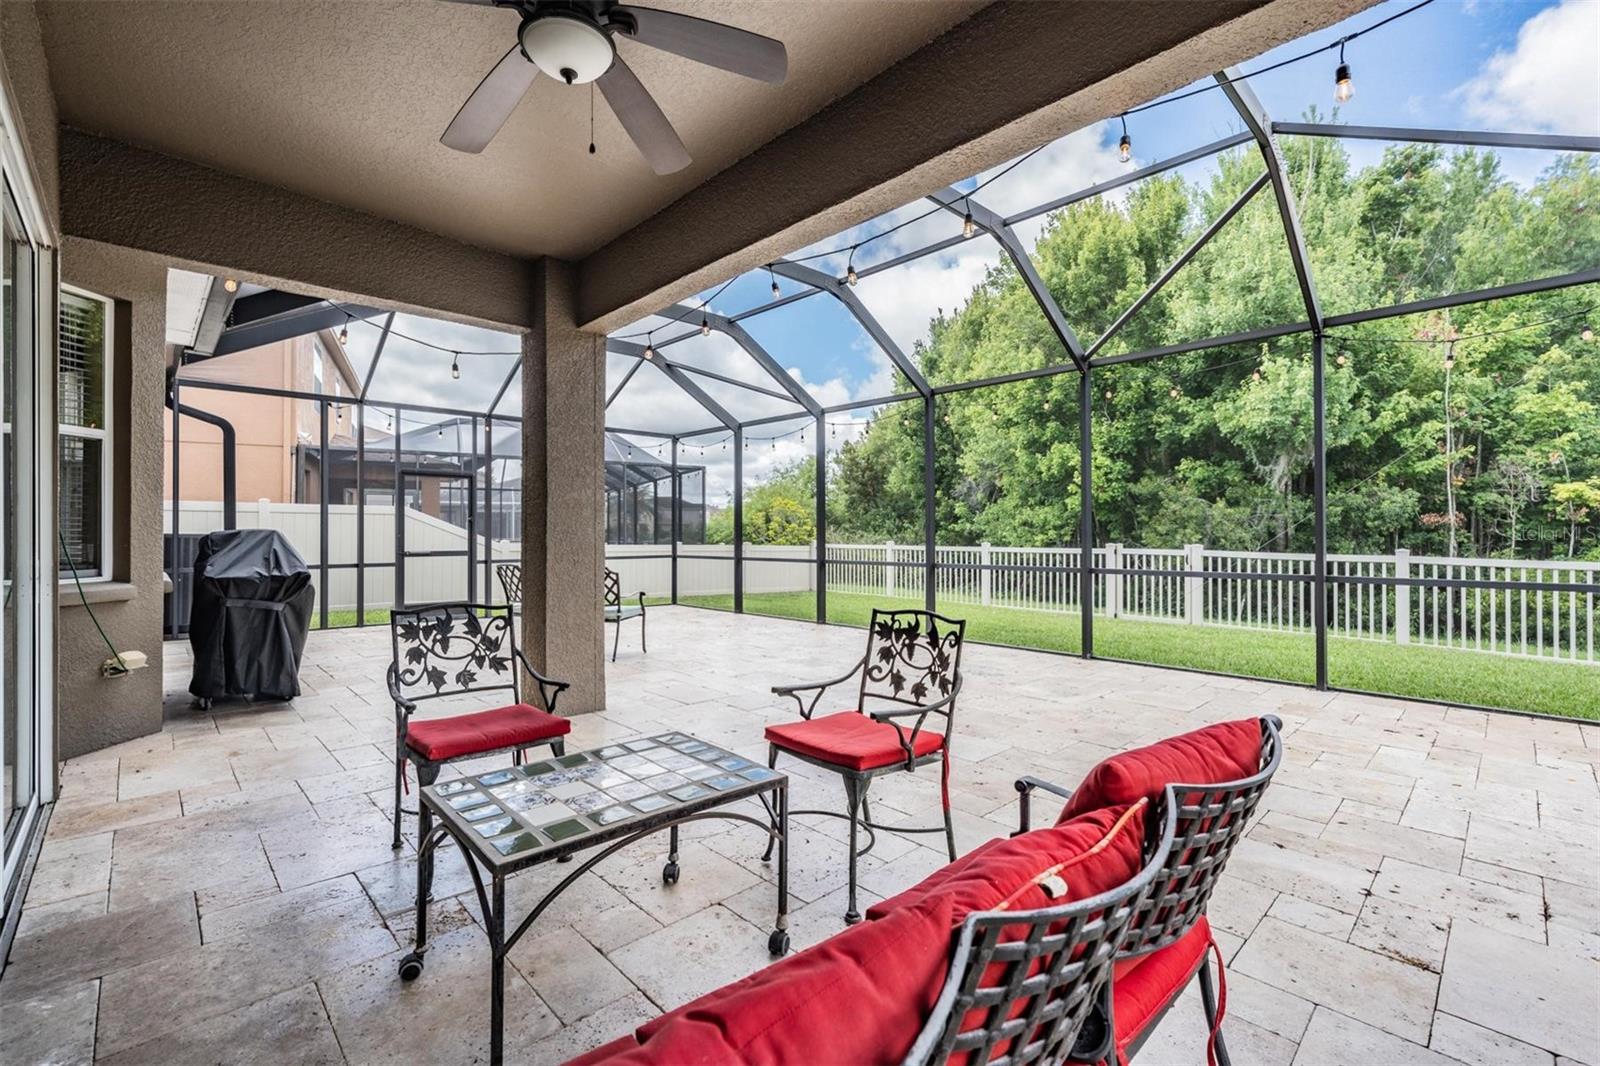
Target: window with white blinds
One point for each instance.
(83, 378)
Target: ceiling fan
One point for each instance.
(575, 40)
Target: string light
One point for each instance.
(1343, 86)
(1174, 392)
(1587, 334)
(776, 292)
(1343, 359)
(1256, 374)
(705, 326)
(344, 332)
(230, 284)
(455, 366)
(850, 269)
(1125, 146)
(650, 346)
(968, 226)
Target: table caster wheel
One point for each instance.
(411, 967)
(778, 943)
(669, 874)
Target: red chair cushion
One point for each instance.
(852, 740)
(1093, 853)
(859, 997)
(1142, 988)
(438, 739)
(1226, 751)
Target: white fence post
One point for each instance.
(1402, 597)
(888, 569)
(811, 568)
(1113, 580)
(263, 513)
(985, 585)
(1193, 561)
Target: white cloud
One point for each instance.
(1550, 81)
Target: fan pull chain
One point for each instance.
(591, 118)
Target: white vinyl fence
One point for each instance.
(427, 579)
(1251, 590)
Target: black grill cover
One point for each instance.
(252, 608)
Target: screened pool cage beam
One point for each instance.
(995, 226)
(377, 354)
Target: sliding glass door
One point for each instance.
(25, 498)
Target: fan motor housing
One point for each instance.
(567, 45)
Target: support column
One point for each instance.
(1086, 508)
(563, 499)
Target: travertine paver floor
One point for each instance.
(1423, 884)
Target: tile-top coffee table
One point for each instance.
(605, 799)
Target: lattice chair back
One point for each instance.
(447, 649)
(510, 582)
(613, 588)
(1208, 821)
(1022, 984)
(913, 659)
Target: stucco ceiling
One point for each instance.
(345, 102)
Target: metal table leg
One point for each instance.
(497, 972)
(778, 943)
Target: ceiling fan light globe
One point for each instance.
(567, 47)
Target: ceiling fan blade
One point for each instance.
(639, 114)
(711, 43)
(491, 103)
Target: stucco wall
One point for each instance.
(94, 711)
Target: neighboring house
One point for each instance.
(277, 436)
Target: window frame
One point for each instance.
(103, 434)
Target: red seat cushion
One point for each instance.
(519, 725)
(1093, 853)
(1226, 751)
(1142, 988)
(852, 740)
(859, 997)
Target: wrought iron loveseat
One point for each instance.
(1060, 944)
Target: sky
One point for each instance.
(1517, 65)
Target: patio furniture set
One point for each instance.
(1059, 944)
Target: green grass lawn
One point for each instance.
(376, 616)
(1543, 686)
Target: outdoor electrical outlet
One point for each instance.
(131, 661)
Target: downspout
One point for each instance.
(230, 471)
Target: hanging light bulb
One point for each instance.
(455, 366)
(1343, 86)
(776, 292)
(1175, 392)
(1047, 403)
(344, 333)
(1256, 374)
(441, 431)
(850, 269)
(230, 284)
(1108, 394)
(1343, 359)
(968, 226)
(1587, 334)
(1125, 146)
(705, 326)
(650, 346)
(1450, 358)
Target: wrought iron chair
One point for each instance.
(617, 612)
(911, 669)
(451, 649)
(1031, 986)
(510, 575)
(1206, 821)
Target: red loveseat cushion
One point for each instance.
(859, 997)
(1226, 751)
(1093, 853)
(519, 725)
(852, 740)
